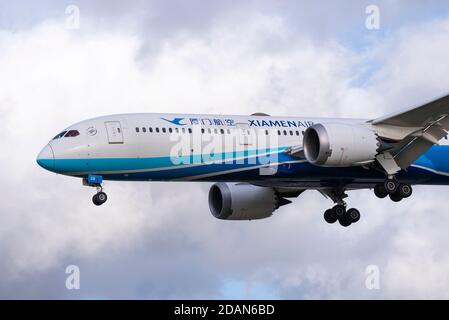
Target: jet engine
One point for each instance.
(340, 145)
(233, 201)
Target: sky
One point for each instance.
(159, 240)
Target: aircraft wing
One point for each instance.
(419, 116)
(414, 131)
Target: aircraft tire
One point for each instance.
(99, 198)
(330, 216)
(405, 190)
(339, 210)
(391, 186)
(95, 200)
(345, 221)
(379, 191)
(395, 197)
(353, 214)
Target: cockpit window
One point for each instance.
(66, 134)
(60, 135)
(72, 133)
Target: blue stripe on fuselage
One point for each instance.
(436, 159)
(95, 165)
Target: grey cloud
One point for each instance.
(158, 240)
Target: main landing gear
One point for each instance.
(96, 181)
(392, 188)
(344, 217)
(339, 213)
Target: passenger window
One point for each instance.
(285, 132)
(190, 130)
(137, 130)
(72, 133)
(170, 130)
(266, 132)
(202, 130)
(279, 132)
(177, 130)
(144, 129)
(291, 132)
(163, 130)
(229, 131)
(222, 131)
(297, 133)
(183, 130)
(157, 130)
(151, 129)
(209, 131)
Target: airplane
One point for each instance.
(259, 162)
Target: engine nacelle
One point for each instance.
(230, 201)
(339, 145)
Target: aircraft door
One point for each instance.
(244, 132)
(115, 132)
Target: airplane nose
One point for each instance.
(46, 158)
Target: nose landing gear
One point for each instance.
(99, 198)
(96, 181)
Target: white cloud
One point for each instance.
(52, 77)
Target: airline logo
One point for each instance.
(201, 121)
(176, 121)
(231, 122)
(280, 123)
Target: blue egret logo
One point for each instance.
(176, 121)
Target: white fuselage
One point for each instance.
(190, 147)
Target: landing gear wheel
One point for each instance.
(353, 215)
(345, 221)
(380, 191)
(95, 200)
(405, 190)
(99, 198)
(102, 197)
(395, 197)
(330, 216)
(391, 186)
(339, 210)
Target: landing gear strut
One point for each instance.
(339, 212)
(96, 181)
(392, 188)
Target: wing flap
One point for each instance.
(415, 130)
(421, 142)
